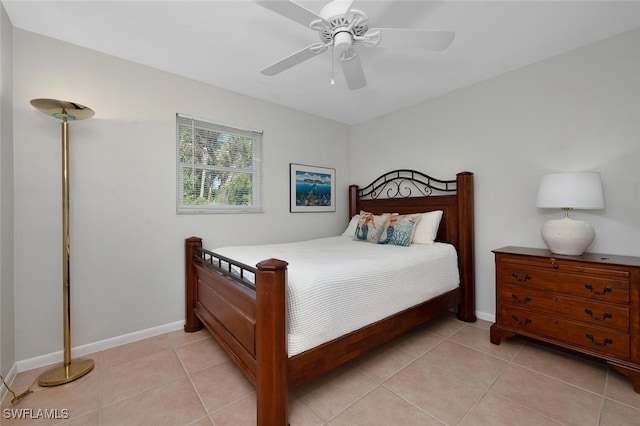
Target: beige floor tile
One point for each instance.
(444, 395)
(465, 362)
(243, 412)
(444, 325)
(478, 339)
(301, 414)
(617, 414)
(89, 419)
(619, 387)
(332, 392)
(174, 403)
(131, 351)
(485, 325)
(201, 354)
(418, 342)
(555, 399)
(220, 385)
(239, 413)
(494, 410)
(381, 407)
(129, 378)
(202, 421)
(382, 363)
(577, 371)
(179, 337)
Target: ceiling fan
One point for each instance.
(342, 28)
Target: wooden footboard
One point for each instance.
(250, 320)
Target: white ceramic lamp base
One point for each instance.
(567, 236)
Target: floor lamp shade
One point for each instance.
(70, 369)
(568, 191)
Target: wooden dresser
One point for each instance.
(588, 304)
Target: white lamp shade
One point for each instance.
(581, 190)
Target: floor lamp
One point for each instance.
(71, 369)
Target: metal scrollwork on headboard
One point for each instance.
(403, 184)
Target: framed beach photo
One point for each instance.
(311, 189)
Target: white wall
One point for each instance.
(126, 239)
(7, 324)
(579, 111)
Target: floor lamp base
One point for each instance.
(61, 374)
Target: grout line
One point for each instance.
(509, 363)
(193, 385)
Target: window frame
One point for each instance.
(255, 170)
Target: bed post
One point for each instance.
(191, 323)
(353, 201)
(272, 386)
(464, 192)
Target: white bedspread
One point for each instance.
(337, 285)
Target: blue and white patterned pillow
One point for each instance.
(398, 229)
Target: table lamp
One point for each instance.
(568, 191)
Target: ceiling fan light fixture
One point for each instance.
(342, 40)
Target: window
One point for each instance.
(218, 168)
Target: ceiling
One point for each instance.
(227, 43)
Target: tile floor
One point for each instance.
(445, 373)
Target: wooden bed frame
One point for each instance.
(250, 322)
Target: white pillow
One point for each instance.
(351, 229)
(427, 228)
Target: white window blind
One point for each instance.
(219, 168)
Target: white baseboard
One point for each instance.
(55, 357)
(486, 317)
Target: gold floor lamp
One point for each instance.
(70, 369)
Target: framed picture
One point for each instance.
(311, 189)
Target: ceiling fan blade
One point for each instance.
(294, 59)
(337, 7)
(292, 10)
(352, 69)
(413, 39)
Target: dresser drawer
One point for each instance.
(585, 310)
(596, 339)
(614, 290)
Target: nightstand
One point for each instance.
(588, 304)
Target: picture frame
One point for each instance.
(311, 189)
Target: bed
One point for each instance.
(246, 307)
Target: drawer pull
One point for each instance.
(522, 280)
(522, 323)
(518, 300)
(606, 290)
(602, 318)
(606, 342)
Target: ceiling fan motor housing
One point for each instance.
(342, 29)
